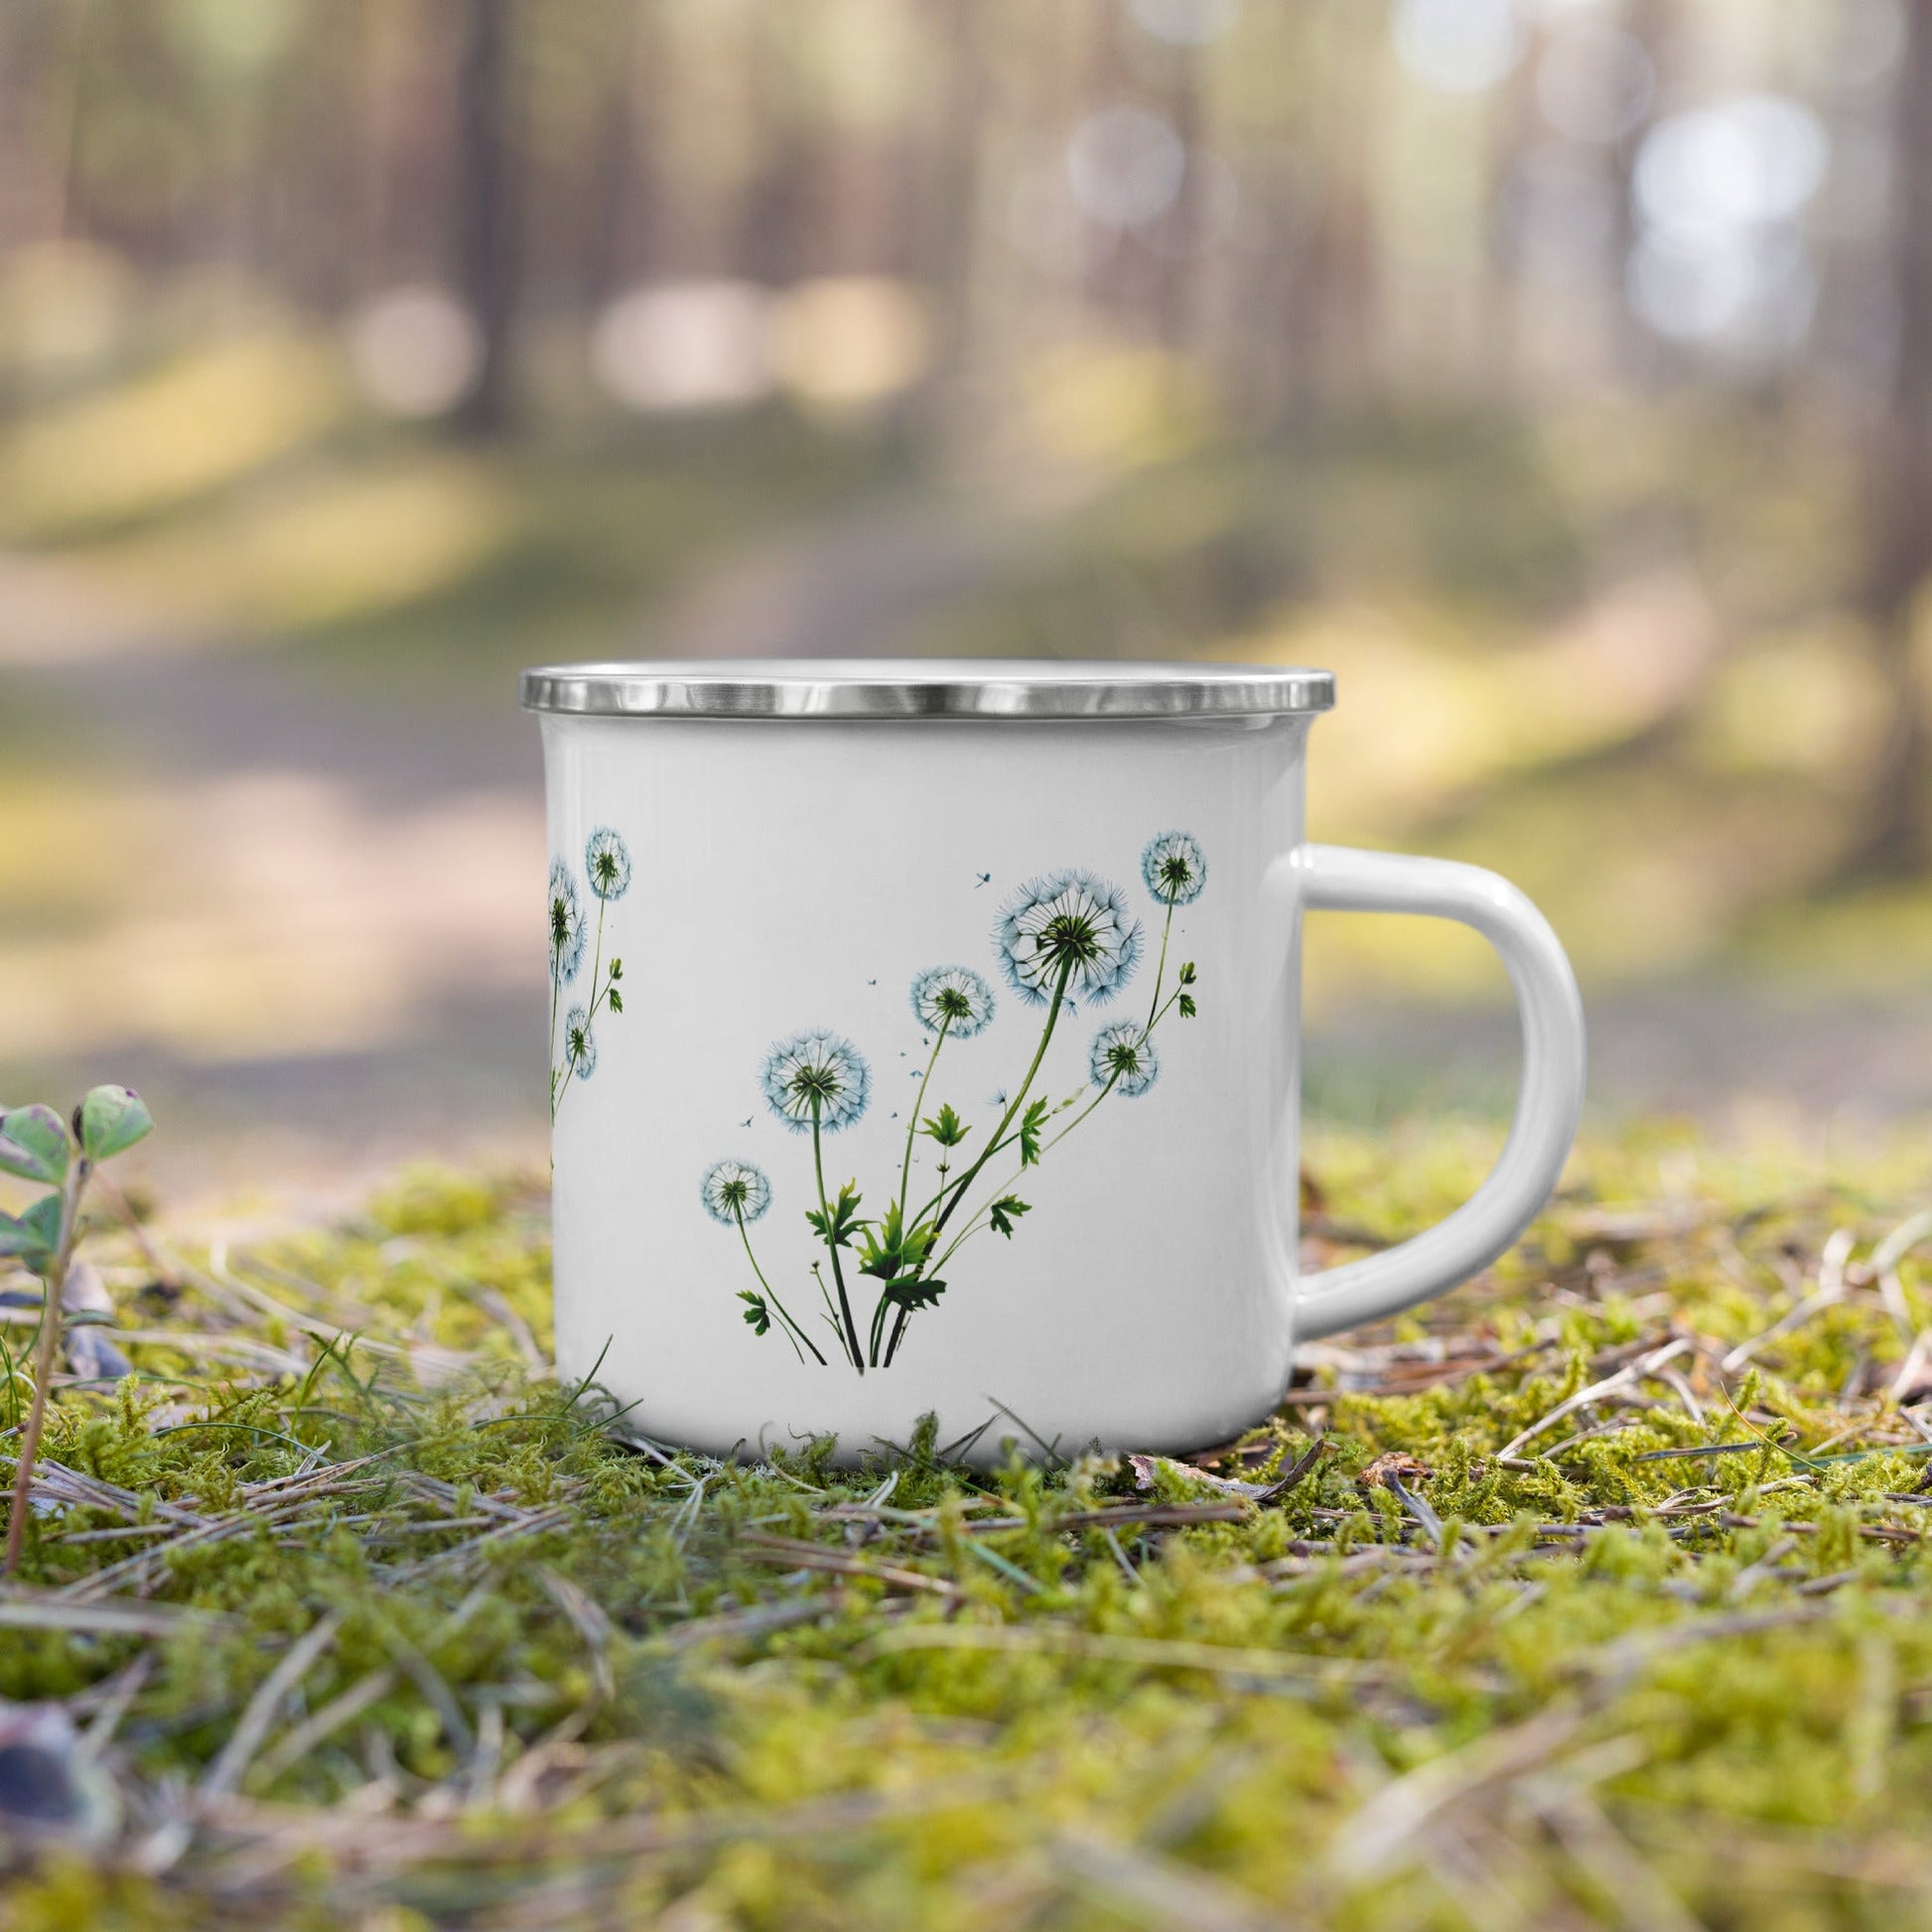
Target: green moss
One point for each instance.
(578, 1690)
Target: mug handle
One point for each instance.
(1337, 879)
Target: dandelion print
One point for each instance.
(816, 1079)
(580, 1043)
(1065, 937)
(1174, 867)
(566, 930)
(607, 864)
(955, 998)
(1123, 1059)
(1069, 931)
(735, 1192)
(1176, 872)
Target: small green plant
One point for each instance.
(1063, 939)
(606, 868)
(35, 1145)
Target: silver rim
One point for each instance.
(931, 688)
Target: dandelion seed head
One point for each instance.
(1124, 1055)
(733, 1191)
(566, 924)
(816, 1076)
(953, 997)
(607, 863)
(1067, 922)
(580, 1043)
(1175, 868)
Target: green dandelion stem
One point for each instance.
(831, 1315)
(1092, 1104)
(851, 1328)
(771, 1294)
(976, 1221)
(596, 963)
(958, 1187)
(556, 995)
(918, 1107)
(1159, 971)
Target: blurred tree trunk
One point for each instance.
(947, 235)
(485, 214)
(1901, 480)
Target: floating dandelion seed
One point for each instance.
(953, 997)
(735, 1192)
(1071, 925)
(1175, 868)
(816, 1076)
(1124, 1057)
(607, 863)
(580, 1045)
(566, 924)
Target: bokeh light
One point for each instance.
(1184, 23)
(1459, 47)
(681, 346)
(1758, 159)
(416, 350)
(850, 341)
(1594, 83)
(1720, 257)
(1125, 165)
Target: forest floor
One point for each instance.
(1594, 1594)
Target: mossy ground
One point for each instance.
(410, 1641)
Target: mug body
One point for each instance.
(933, 1064)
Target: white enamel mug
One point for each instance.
(925, 1039)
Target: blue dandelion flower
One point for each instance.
(953, 997)
(1175, 868)
(607, 863)
(580, 1043)
(1070, 923)
(816, 1076)
(735, 1192)
(565, 923)
(1122, 1056)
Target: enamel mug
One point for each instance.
(924, 1039)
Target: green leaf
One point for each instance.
(946, 1129)
(616, 969)
(616, 1000)
(1188, 973)
(34, 1238)
(1005, 1211)
(756, 1314)
(1030, 1132)
(111, 1120)
(880, 1254)
(1187, 1005)
(911, 1294)
(890, 1250)
(838, 1228)
(34, 1145)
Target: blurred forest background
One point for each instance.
(1559, 373)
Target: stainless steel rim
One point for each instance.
(908, 688)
